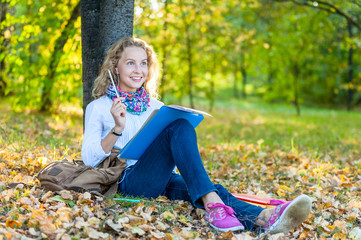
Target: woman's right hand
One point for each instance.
(118, 111)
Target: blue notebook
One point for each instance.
(155, 124)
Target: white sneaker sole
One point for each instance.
(227, 229)
(294, 214)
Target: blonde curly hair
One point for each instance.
(102, 82)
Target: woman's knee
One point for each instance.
(181, 125)
(181, 122)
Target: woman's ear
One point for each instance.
(116, 70)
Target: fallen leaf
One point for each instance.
(135, 221)
(188, 234)
(339, 236)
(94, 234)
(161, 226)
(167, 215)
(25, 201)
(66, 195)
(13, 224)
(115, 226)
(47, 227)
(355, 233)
(158, 235)
(93, 222)
(138, 231)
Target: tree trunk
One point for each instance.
(116, 21)
(90, 10)
(350, 86)
(165, 52)
(190, 72)
(211, 82)
(189, 53)
(189, 60)
(103, 23)
(296, 74)
(3, 46)
(244, 82)
(46, 101)
(235, 80)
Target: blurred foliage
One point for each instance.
(32, 29)
(275, 50)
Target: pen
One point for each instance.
(125, 199)
(115, 88)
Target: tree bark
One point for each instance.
(90, 10)
(46, 101)
(116, 21)
(103, 23)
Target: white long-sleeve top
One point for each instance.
(99, 122)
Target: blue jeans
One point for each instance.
(153, 174)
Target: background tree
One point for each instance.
(46, 102)
(350, 11)
(4, 35)
(266, 44)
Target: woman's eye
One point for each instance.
(144, 63)
(130, 63)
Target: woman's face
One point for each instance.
(132, 69)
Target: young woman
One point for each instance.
(111, 121)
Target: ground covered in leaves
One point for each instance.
(332, 178)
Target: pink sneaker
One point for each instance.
(221, 218)
(288, 216)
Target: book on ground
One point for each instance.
(158, 120)
(259, 200)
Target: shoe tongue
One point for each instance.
(228, 209)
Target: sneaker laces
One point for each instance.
(221, 207)
(275, 214)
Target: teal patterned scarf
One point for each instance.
(136, 103)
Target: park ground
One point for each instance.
(259, 149)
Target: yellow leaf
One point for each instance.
(285, 188)
(12, 223)
(2, 166)
(329, 228)
(167, 215)
(280, 193)
(339, 236)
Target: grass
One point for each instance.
(317, 130)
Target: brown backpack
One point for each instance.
(74, 175)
